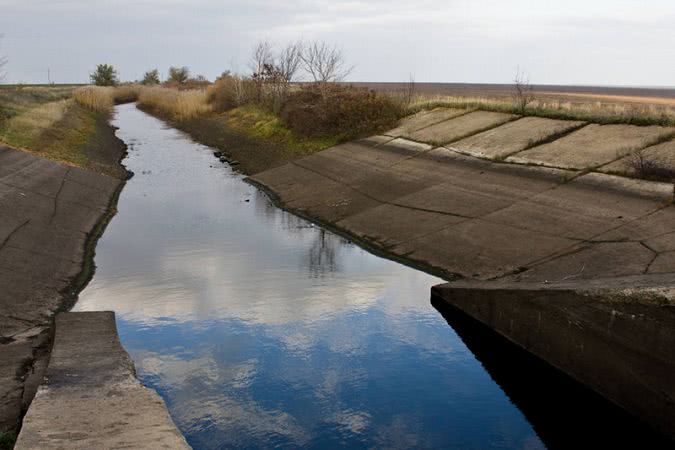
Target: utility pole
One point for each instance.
(49, 76)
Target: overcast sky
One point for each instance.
(600, 42)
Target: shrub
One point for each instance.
(150, 77)
(337, 109)
(648, 168)
(104, 75)
(95, 98)
(178, 75)
(174, 104)
(230, 91)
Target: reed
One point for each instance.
(95, 98)
(174, 104)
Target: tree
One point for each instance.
(105, 75)
(325, 64)
(522, 92)
(179, 75)
(151, 77)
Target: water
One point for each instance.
(261, 330)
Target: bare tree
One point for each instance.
(410, 87)
(289, 60)
(261, 59)
(325, 64)
(3, 63)
(522, 91)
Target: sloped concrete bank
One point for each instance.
(51, 215)
(91, 398)
(529, 227)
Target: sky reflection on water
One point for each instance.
(261, 330)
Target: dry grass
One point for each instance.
(589, 110)
(177, 105)
(126, 93)
(95, 98)
(24, 129)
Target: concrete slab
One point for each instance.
(663, 263)
(589, 261)
(391, 225)
(482, 250)
(90, 397)
(592, 146)
(662, 154)
(514, 137)
(583, 208)
(424, 119)
(460, 127)
(613, 335)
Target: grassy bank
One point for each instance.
(56, 123)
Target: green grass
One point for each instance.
(258, 123)
(7, 440)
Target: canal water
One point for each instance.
(260, 329)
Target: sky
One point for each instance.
(570, 42)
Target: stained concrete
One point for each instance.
(90, 397)
(663, 155)
(514, 137)
(460, 127)
(614, 335)
(424, 119)
(47, 212)
(592, 146)
(470, 217)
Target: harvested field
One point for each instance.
(460, 127)
(592, 146)
(513, 137)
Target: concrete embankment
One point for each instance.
(460, 211)
(91, 398)
(50, 217)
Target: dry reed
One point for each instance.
(96, 98)
(178, 105)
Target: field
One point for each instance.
(640, 106)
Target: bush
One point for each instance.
(95, 98)
(340, 110)
(229, 92)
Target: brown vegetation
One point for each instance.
(174, 104)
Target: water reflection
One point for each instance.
(261, 330)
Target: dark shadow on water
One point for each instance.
(564, 413)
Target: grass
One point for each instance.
(43, 120)
(174, 104)
(588, 111)
(7, 440)
(258, 123)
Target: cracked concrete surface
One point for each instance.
(47, 211)
(480, 219)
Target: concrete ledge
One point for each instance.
(616, 340)
(90, 397)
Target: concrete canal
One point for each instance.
(260, 329)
